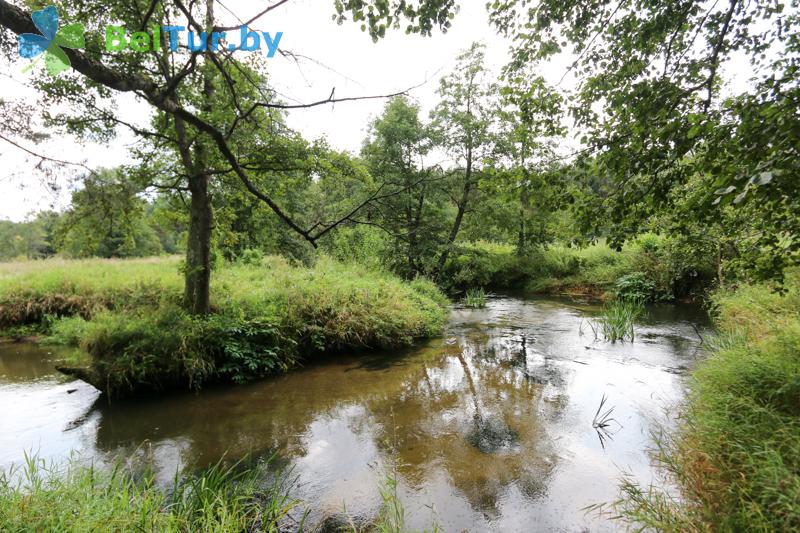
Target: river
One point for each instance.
(489, 428)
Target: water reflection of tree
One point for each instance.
(255, 419)
(425, 408)
(493, 396)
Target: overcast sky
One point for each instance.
(342, 57)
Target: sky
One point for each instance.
(340, 57)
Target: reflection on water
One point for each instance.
(490, 427)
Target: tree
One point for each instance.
(462, 123)
(32, 239)
(187, 89)
(394, 152)
(107, 219)
(529, 119)
(650, 100)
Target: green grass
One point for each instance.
(77, 498)
(651, 267)
(475, 298)
(266, 316)
(736, 455)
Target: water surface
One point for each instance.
(489, 428)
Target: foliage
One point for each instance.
(635, 286)
(736, 455)
(252, 256)
(74, 497)
(657, 113)
(32, 239)
(653, 268)
(107, 219)
(394, 151)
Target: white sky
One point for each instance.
(353, 64)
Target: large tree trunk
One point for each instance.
(198, 246)
(201, 215)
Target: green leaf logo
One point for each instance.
(52, 41)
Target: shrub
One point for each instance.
(636, 287)
(251, 256)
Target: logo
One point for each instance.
(117, 39)
(51, 42)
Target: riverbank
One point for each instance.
(266, 318)
(650, 268)
(73, 497)
(736, 455)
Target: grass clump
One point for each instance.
(267, 315)
(617, 319)
(736, 456)
(475, 298)
(74, 497)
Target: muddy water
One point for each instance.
(490, 427)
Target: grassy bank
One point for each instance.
(126, 314)
(651, 268)
(736, 455)
(74, 497)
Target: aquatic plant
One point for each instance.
(616, 320)
(604, 424)
(475, 298)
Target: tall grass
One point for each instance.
(266, 316)
(736, 455)
(616, 320)
(72, 497)
(475, 298)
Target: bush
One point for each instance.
(251, 256)
(652, 267)
(482, 264)
(635, 287)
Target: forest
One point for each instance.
(646, 215)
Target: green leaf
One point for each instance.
(70, 36)
(56, 60)
(763, 178)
